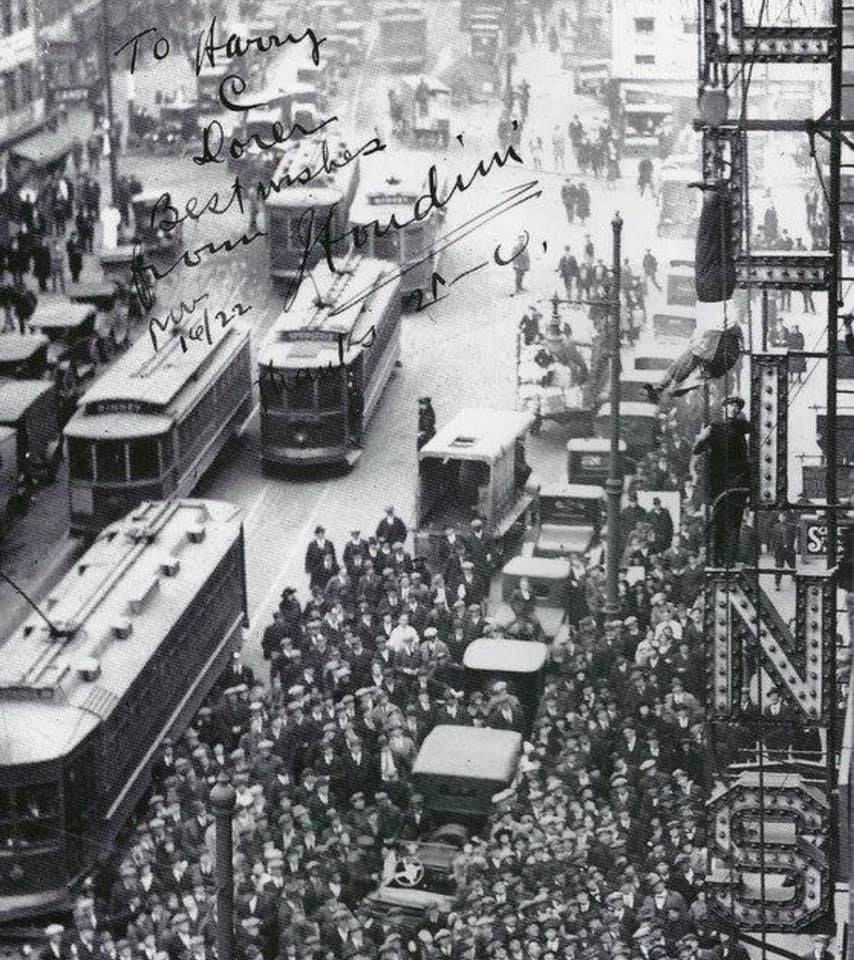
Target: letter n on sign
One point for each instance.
(741, 622)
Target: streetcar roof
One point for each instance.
(507, 656)
(17, 396)
(155, 378)
(477, 753)
(117, 426)
(389, 184)
(120, 583)
(15, 347)
(478, 434)
(314, 332)
(328, 183)
(52, 313)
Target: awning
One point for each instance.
(49, 146)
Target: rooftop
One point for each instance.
(478, 434)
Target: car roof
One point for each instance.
(478, 753)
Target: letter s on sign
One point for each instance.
(797, 872)
(816, 537)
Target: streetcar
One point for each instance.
(587, 460)
(137, 634)
(295, 211)
(389, 187)
(638, 425)
(325, 363)
(154, 422)
(402, 44)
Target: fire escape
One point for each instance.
(771, 829)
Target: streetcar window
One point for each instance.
(329, 393)
(387, 247)
(110, 461)
(79, 459)
(300, 390)
(144, 464)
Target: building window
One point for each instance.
(5, 17)
(644, 58)
(644, 24)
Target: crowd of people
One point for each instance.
(599, 850)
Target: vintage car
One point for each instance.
(547, 579)
(566, 517)
(30, 408)
(463, 773)
(23, 356)
(518, 664)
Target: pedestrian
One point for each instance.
(77, 154)
(568, 196)
(536, 145)
(75, 257)
(57, 266)
(795, 342)
(93, 152)
(41, 263)
(426, 421)
(781, 543)
(59, 209)
(16, 261)
(568, 269)
(650, 268)
(24, 303)
(582, 205)
(521, 262)
(644, 175)
(728, 472)
(85, 229)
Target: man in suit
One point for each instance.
(356, 546)
(315, 565)
(358, 767)
(391, 528)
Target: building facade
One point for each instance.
(22, 105)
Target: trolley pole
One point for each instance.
(223, 799)
(614, 483)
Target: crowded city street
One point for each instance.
(425, 506)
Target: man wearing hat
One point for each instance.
(820, 949)
(728, 469)
(426, 421)
(54, 949)
(391, 528)
(317, 567)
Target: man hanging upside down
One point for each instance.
(713, 353)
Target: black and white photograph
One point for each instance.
(426, 479)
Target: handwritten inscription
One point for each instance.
(189, 327)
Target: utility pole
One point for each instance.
(108, 82)
(223, 799)
(614, 483)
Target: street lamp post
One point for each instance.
(223, 799)
(108, 82)
(614, 483)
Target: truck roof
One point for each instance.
(478, 753)
(478, 434)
